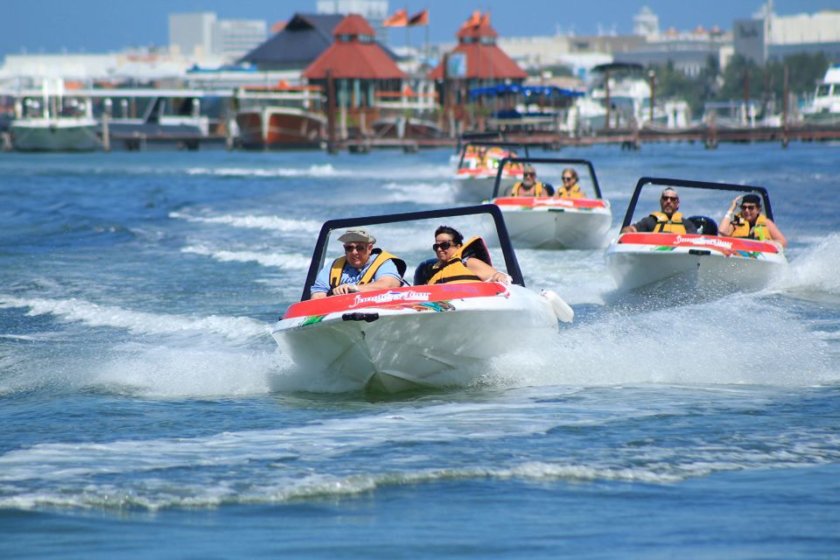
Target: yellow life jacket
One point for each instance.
(380, 258)
(758, 231)
(572, 192)
(454, 270)
(539, 190)
(674, 224)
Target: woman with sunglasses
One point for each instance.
(750, 223)
(570, 187)
(457, 261)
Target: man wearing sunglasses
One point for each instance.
(529, 186)
(750, 223)
(668, 220)
(361, 269)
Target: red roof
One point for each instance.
(353, 24)
(354, 54)
(485, 61)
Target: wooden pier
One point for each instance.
(628, 139)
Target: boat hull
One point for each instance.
(54, 135)
(553, 223)
(478, 187)
(414, 337)
(280, 128)
(711, 263)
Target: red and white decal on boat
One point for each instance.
(398, 297)
(726, 245)
(548, 202)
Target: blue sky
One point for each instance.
(93, 26)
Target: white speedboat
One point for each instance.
(415, 336)
(705, 261)
(546, 222)
(478, 166)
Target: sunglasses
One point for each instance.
(442, 246)
(529, 174)
(674, 198)
(749, 207)
(568, 178)
(357, 248)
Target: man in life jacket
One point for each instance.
(529, 186)
(361, 269)
(668, 220)
(750, 223)
(458, 261)
(570, 188)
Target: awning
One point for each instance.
(526, 91)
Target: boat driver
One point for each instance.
(668, 220)
(361, 269)
(529, 186)
(750, 223)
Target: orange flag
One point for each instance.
(399, 19)
(420, 18)
(485, 19)
(473, 21)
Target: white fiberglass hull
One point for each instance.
(478, 188)
(55, 135)
(429, 345)
(555, 226)
(706, 263)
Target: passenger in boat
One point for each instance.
(570, 187)
(750, 223)
(668, 220)
(529, 186)
(458, 261)
(361, 269)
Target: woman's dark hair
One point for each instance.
(457, 238)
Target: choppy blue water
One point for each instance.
(147, 413)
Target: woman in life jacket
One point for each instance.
(529, 186)
(750, 223)
(570, 187)
(458, 261)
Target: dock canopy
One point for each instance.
(527, 91)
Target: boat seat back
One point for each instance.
(704, 225)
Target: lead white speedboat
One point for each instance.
(475, 176)
(703, 261)
(414, 337)
(546, 222)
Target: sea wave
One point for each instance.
(272, 223)
(96, 315)
(278, 260)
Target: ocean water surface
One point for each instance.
(147, 412)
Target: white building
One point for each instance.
(200, 35)
(767, 35)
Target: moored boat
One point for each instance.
(704, 261)
(546, 222)
(424, 336)
(280, 119)
(54, 121)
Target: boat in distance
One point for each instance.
(415, 337)
(475, 174)
(547, 222)
(703, 261)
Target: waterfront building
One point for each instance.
(374, 12)
(302, 40)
